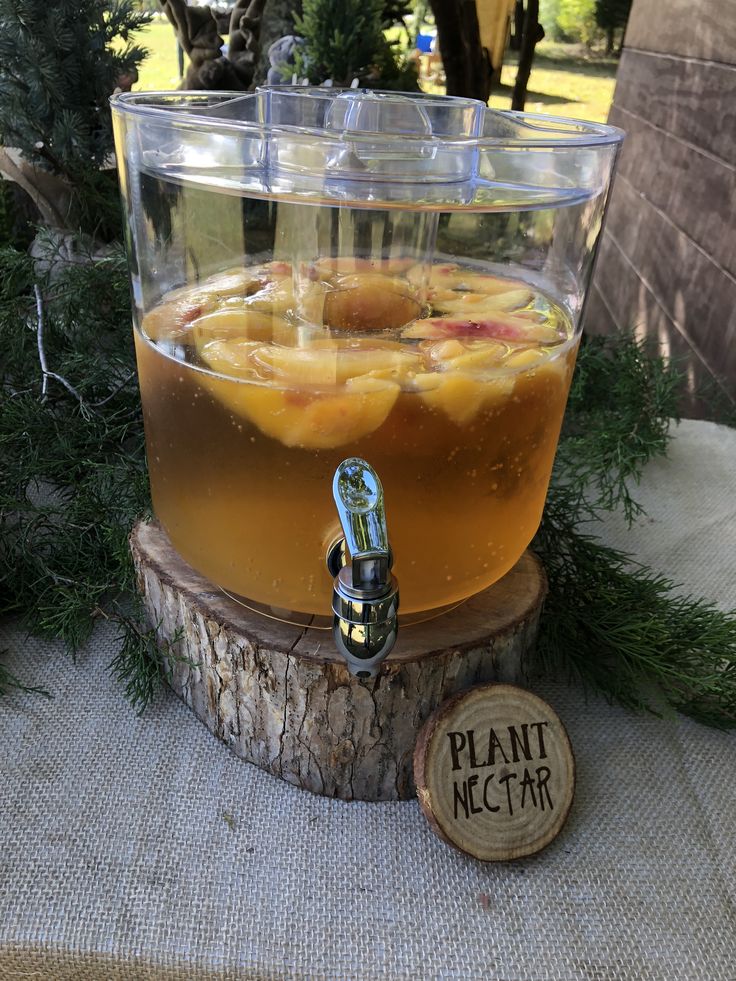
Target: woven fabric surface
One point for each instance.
(140, 847)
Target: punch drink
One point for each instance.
(450, 381)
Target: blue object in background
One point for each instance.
(424, 43)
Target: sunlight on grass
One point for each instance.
(159, 70)
(562, 87)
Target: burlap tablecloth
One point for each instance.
(141, 848)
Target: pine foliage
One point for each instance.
(344, 40)
(59, 64)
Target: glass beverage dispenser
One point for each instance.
(346, 300)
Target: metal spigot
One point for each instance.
(365, 598)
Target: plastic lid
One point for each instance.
(367, 147)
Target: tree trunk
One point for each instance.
(529, 40)
(609, 41)
(281, 697)
(515, 39)
(467, 64)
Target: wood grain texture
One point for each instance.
(695, 293)
(667, 261)
(281, 697)
(692, 28)
(495, 772)
(697, 192)
(620, 297)
(688, 99)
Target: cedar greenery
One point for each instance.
(608, 621)
(73, 482)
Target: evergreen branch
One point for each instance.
(624, 630)
(42, 355)
(144, 658)
(608, 621)
(10, 682)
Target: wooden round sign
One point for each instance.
(495, 772)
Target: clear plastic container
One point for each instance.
(322, 274)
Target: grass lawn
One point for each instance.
(160, 69)
(565, 80)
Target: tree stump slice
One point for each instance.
(495, 772)
(281, 697)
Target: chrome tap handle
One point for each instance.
(359, 498)
(365, 597)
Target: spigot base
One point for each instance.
(364, 646)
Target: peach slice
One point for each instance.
(246, 279)
(457, 355)
(313, 421)
(533, 363)
(234, 282)
(232, 323)
(276, 298)
(461, 397)
(451, 276)
(330, 363)
(528, 358)
(501, 326)
(310, 306)
(277, 269)
(172, 320)
(483, 304)
(231, 357)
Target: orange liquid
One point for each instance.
(464, 497)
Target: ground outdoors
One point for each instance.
(565, 79)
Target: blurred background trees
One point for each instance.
(587, 22)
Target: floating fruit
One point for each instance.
(232, 323)
(172, 320)
(230, 358)
(483, 304)
(314, 421)
(455, 355)
(322, 364)
(235, 282)
(502, 327)
(528, 358)
(333, 366)
(532, 365)
(451, 276)
(276, 297)
(277, 269)
(461, 396)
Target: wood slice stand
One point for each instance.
(280, 696)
